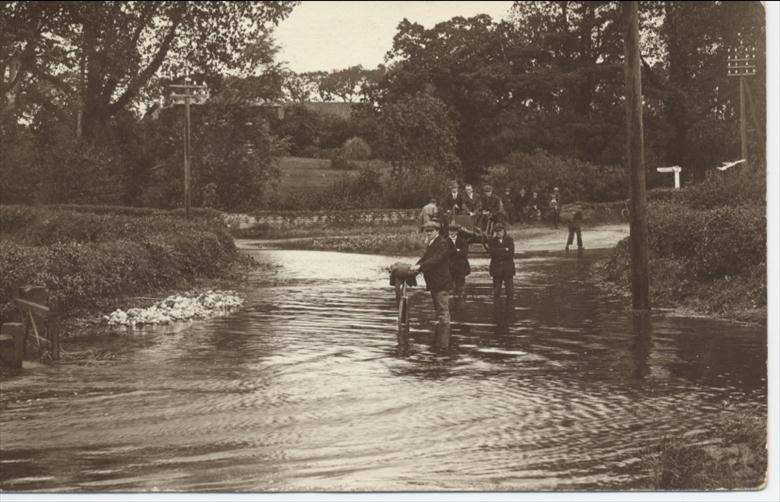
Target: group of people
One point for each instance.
(445, 265)
(487, 207)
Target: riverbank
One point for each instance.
(93, 262)
(736, 461)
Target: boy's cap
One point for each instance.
(498, 226)
(454, 226)
(487, 187)
(431, 225)
(453, 184)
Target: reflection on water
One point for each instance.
(306, 388)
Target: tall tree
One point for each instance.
(97, 57)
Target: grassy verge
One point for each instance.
(737, 461)
(402, 240)
(96, 261)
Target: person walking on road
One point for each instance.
(435, 267)
(575, 225)
(555, 206)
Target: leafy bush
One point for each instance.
(88, 260)
(707, 247)
(577, 180)
(48, 225)
(356, 148)
(717, 242)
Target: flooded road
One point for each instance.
(304, 389)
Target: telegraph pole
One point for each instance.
(200, 93)
(742, 63)
(640, 283)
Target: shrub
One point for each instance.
(356, 148)
(87, 260)
(577, 180)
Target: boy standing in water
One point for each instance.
(435, 266)
(501, 248)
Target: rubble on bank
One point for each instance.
(177, 308)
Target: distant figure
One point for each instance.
(521, 205)
(459, 240)
(435, 267)
(534, 211)
(555, 207)
(453, 203)
(509, 206)
(501, 248)
(575, 225)
(470, 202)
(430, 212)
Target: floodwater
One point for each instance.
(305, 389)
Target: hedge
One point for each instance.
(89, 260)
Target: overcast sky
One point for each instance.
(334, 35)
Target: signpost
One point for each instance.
(186, 96)
(673, 169)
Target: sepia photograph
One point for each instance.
(471, 248)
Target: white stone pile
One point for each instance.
(177, 308)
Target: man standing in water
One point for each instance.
(501, 248)
(435, 267)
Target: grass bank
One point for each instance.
(707, 249)
(92, 261)
(736, 461)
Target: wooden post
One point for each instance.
(187, 154)
(742, 121)
(640, 283)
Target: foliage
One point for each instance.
(343, 85)
(87, 62)
(356, 148)
(737, 461)
(311, 134)
(552, 78)
(577, 180)
(88, 260)
(705, 254)
(418, 131)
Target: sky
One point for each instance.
(335, 35)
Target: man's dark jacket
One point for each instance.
(492, 203)
(470, 205)
(502, 257)
(450, 202)
(459, 251)
(435, 265)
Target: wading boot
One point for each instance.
(442, 337)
